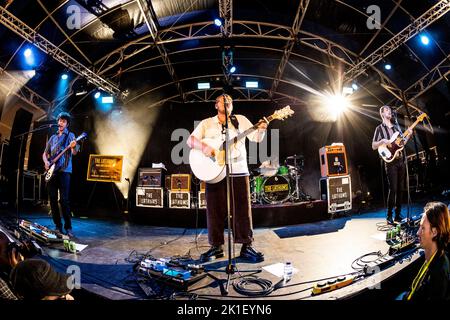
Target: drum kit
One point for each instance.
(275, 184)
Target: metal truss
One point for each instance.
(12, 85)
(433, 14)
(301, 10)
(27, 33)
(152, 23)
(226, 13)
(242, 29)
(430, 79)
(241, 94)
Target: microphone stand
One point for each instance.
(21, 136)
(230, 269)
(405, 161)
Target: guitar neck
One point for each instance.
(412, 126)
(249, 130)
(60, 154)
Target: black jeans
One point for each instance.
(396, 173)
(61, 182)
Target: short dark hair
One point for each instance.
(65, 116)
(439, 218)
(36, 279)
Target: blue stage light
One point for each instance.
(387, 66)
(64, 76)
(27, 53)
(232, 69)
(425, 40)
(218, 22)
(97, 95)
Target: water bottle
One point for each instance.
(288, 270)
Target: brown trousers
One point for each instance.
(241, 212)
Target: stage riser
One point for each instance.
(263, 216)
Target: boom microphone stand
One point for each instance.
(21, 137)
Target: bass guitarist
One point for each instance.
(61, 179)
(395, 170)
(216, 193)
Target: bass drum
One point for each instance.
(276, 189)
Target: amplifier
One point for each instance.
(338, 193)
(179, 199)
(333, 160)
(202, 199)
(149, 197)
(180, 182)
(150, 177)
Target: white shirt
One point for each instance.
(212, 128)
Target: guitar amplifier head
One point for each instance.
(333, 160)
(180, 182)
(150, 177)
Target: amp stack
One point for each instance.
(149, 190)
(335, 183)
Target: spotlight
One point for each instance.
(218, 22)
(97, 95)
(387, 66)
(203, 85)
(232, 69)
(425, 40)
(336, 104)
(354, 86)
(107, 99)
(27, 53)
(251, 84)
(64, 76)
(347, 90)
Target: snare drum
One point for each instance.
(276, 189)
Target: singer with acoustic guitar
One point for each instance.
(60, 180)
(394, 163)
(216, 192)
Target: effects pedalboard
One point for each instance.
(171, 272)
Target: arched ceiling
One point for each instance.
(159, 49)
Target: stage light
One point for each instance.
(387, 66)
(251, 84)
(336, 104)
(425, 40)
(64, 76)
(80, 93)
(232, 69)
(27, 53)
(203, 85)
(107, 99)
(97, 95)
(218, 22)
(347, 90)
(30, 59)
(354, 86)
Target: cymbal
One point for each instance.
(295, 157)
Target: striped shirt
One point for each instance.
(56, 144)
(383, 132)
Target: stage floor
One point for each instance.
(317, 250)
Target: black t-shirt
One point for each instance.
(436, 285)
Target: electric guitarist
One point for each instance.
(61, 179)
(395, 169)
(216, 194)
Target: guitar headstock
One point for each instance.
(282, 114)
(422, 116)
(81, 136)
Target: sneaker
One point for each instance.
(251, 254)
(389, 220)
(59, 230)
(215, 252)
(398, 219)
(70, 233)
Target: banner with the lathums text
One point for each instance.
(105, 168)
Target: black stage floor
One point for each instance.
(317, 250)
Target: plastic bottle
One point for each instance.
(288, 270)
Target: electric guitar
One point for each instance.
(53, 167)
(396, 144)
(212, 169)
